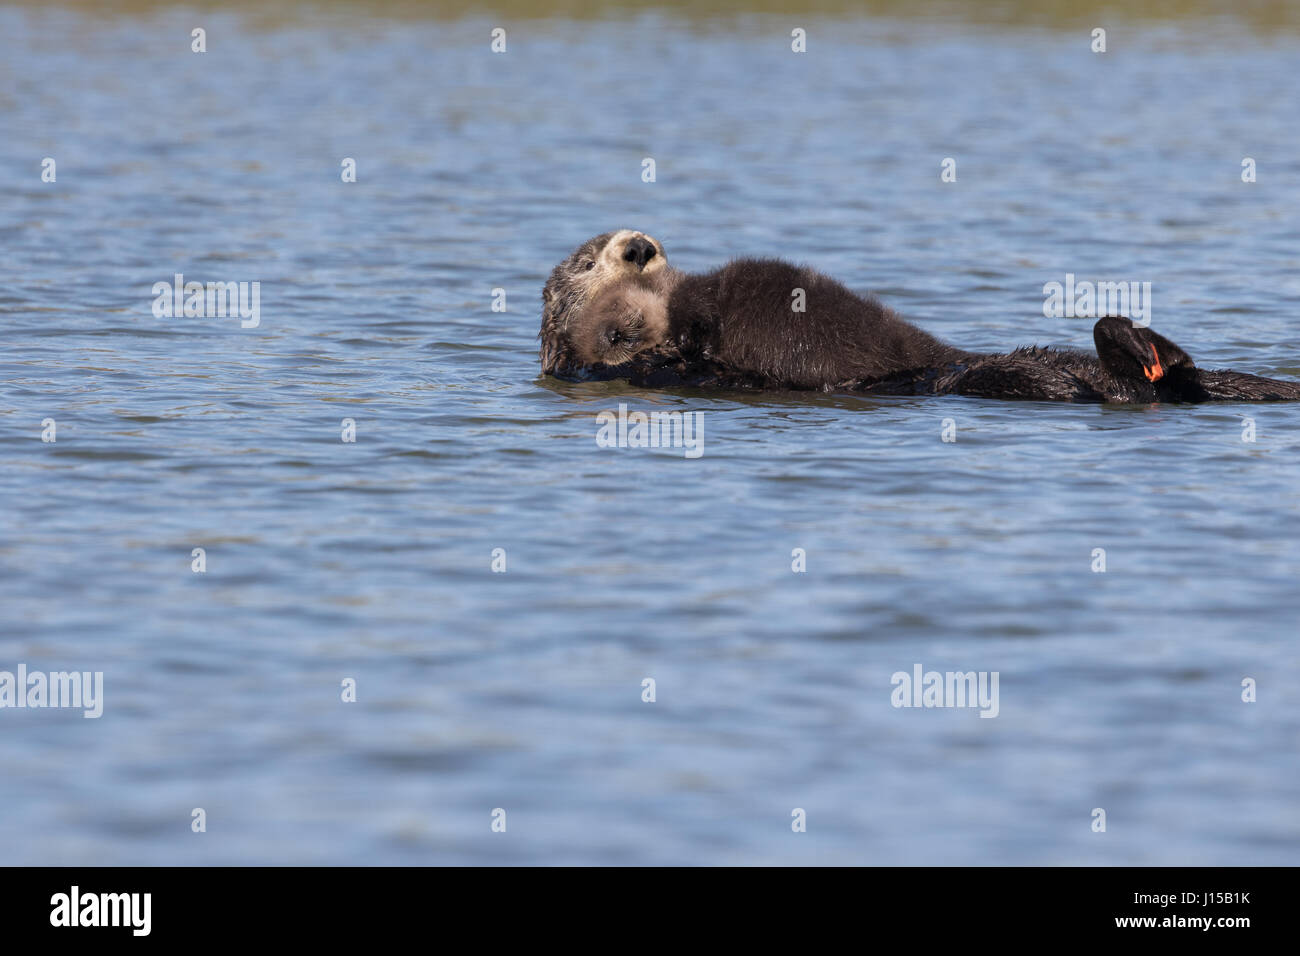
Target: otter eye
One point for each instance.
(612, 335)
(590, 265)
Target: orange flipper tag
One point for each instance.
(1153, 372)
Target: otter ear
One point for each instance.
(1130, 351)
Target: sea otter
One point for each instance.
(616, 309)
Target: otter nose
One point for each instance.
(639, 251)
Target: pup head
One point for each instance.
(617, 323)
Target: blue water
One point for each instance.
(521, 690)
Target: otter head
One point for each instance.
(618, 322)
(625, 258)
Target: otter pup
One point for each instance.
(735, 327)
(618, 322)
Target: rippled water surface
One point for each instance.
(522, 690)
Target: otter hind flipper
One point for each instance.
(1130, 351)
(1132, 354)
